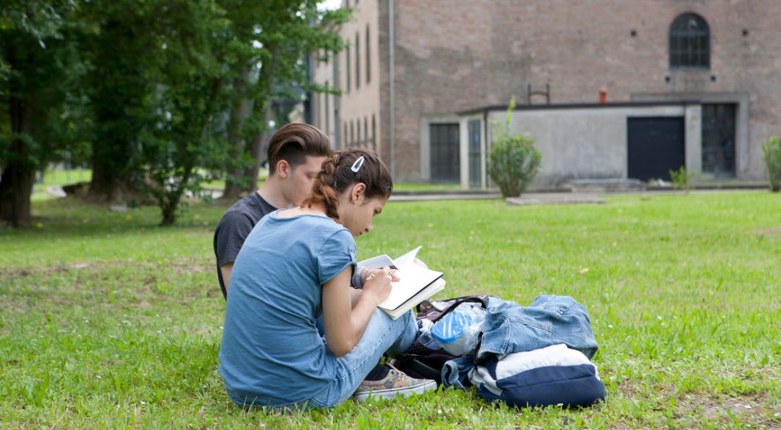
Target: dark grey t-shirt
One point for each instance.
(233, 229)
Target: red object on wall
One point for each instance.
(602, 94)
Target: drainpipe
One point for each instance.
(392, 90)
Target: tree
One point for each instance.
(189, 101)
(38, 64)
(272, 40)
(123, 48)
(165, 85)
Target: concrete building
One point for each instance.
(689, 83)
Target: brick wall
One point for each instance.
(456, 55)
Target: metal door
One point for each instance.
(656, 146)
(445, 157)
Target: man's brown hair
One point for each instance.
(294, 142)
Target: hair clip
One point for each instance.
(357, 165)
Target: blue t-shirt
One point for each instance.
(272, 353)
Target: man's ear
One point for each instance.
(283, 169)
(357, 192)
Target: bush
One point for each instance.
(682, 179)
(513, 161)
(771, 152)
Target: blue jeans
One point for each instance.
(382, 335)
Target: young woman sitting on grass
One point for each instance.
(272, 352)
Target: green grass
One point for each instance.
(108, 321)
(58, 177)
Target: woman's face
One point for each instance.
(357, 213)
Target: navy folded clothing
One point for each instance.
(554, 375)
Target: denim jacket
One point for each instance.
(510, 327)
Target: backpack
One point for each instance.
(420, 361)
(553, 375)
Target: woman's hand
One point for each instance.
(378, 283)
(344, 321)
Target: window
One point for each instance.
(689, 42)
(358, 141)
(347, 69)
(366, 143)
(315, 106)
(327, 110)
(335, 74)
(368, 57)
(374, 133)
(357, 61)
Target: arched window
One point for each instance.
(689, 42)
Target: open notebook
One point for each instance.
(416, 282)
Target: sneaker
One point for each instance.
(395, 383)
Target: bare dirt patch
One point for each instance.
(756, 410)
(769, 233)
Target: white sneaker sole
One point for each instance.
(389, 393)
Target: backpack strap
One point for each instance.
(427, 309)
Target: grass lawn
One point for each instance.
(108, 321)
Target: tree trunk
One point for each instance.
(16, 183)
(169, 213)
(253, 173)
(235, 174)
(106, 185)
(16, 187)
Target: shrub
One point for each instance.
(771, 152)
(682, 179)
(513, 161)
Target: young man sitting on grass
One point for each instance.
(295, 154)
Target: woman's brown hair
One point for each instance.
(342, 170)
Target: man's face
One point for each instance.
(299, 184)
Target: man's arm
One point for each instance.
(232, 230)
(226, 270)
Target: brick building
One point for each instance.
(421, 80)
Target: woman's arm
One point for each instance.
(345, 323)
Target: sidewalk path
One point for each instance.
(525, 199)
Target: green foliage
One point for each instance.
(682, 179)
(107, 321)
(148, 90)
(771, 153)
(513, 161)
(40, 65)
(120, 44)
(188, 100)
(268, 48)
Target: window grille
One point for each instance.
(689, 42)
